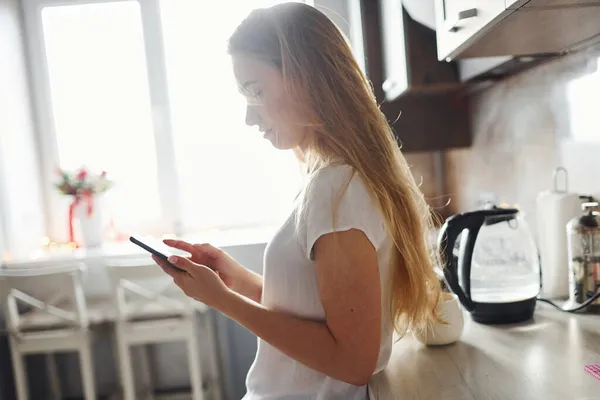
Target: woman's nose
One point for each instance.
(252, 117)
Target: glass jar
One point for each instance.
(583, 240)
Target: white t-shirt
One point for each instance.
(290, 285)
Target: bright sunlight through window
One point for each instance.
(228, 175)
(101, 104)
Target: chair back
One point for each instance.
(47, 297)
(141, 288)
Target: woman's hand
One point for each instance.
(197, 281)
(232, 273)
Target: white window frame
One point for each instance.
(159, 97)
(166, 163)
(5, 244)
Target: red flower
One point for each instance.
(103, 174)
(81, 175)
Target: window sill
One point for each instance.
(125, 249)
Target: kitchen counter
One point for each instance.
(542, 359)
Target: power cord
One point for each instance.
(571, 310)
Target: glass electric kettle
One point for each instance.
(492, 264)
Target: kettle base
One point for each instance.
(503, 313)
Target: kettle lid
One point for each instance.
(491, 214)
(500, 214)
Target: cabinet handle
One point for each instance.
(461, 16)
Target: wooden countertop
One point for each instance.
(542, 359)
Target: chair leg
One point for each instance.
(214, 365)
(53, 375)
(148, 378)
(87, 371)
(125, 369)
(194, 362)
(18, 362)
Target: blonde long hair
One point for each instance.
(337, 101)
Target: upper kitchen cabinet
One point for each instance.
(488, 28)
(422, 98)
(409, 58)
(459, 22)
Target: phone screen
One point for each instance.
(151, 247)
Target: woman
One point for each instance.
(351, 262)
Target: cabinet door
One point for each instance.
(459, 22)
(539, 31)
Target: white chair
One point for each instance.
(60, 323)
(151, 309)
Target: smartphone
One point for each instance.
(153, 251)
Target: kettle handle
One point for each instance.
(448, 235)
(466, 256)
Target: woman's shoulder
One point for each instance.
(339, 181)
(340, 191)
(333, 176)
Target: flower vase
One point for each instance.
(90, 222)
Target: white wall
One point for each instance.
(19, 169)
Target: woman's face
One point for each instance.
(269, 105)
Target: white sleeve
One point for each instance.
(356, 209)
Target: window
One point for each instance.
(101, 104)
(229, 176)
(145, 91)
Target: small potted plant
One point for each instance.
(84, 188)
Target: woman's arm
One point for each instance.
(251, 286)
(233, 274)
(346, 345)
